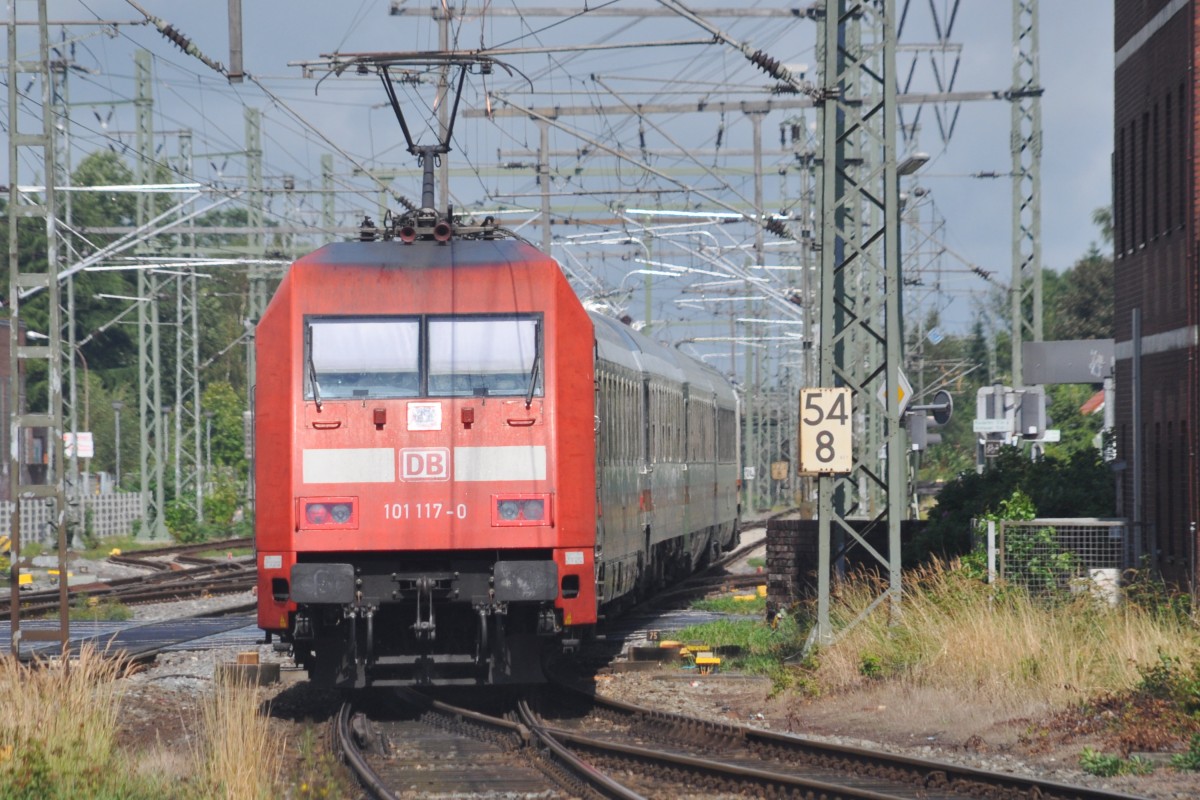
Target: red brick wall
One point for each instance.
(1155, 197)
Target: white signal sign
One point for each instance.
(825, 433)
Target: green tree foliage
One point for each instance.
(228, 437)
(1078, 486)
(111, 348)
(1078, 305)
(1082, 308)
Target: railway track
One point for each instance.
(561, 742)
(184, 578)
(416, 746)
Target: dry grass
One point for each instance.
(241, 757)
(58, 739)
(58, 730)
(959, 634)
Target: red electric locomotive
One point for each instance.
(457, 467)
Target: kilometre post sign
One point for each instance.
(825, 436)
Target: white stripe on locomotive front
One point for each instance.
(510, 463)
(350, 465)
(378, 464)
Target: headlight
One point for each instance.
(521, 509)
(534, 509)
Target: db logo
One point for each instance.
(432, 464)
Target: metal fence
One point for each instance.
(1047, 556)
(107, 515)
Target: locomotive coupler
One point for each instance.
(425, 627)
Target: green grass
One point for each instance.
(222, 553)
(126, 544)
(317, 772)
(1191, 759)
(763, 650)
(727, 605)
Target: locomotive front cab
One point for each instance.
(425, 541)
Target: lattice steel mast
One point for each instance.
(35, 435)
(150, 398)
(1027, 183)
(861, 282)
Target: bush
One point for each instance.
(1080, 486)
(1189, 760)
(182, 523)
(1106, 766)
(222, 503)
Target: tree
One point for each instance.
(1083, 306)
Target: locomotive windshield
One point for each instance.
(481, 356)
(465, 356)
(365, 358)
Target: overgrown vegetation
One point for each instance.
(761, 649)
(318, 773)
(1081, 486)
(1108, 766)
(1007, 646)
(59, 740)
(734, 604)
(58, 733)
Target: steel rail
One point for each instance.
(353, 757)
(197, 547)
(218, 578)
(516, 734)
(921, 774)
(604, 783)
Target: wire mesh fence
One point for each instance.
(1050, 556)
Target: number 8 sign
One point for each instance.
(825, 437)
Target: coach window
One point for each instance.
(484, 357)
(362, 358)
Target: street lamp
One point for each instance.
(208, 418)
(164, 427)
(117, 405)
(913, 163)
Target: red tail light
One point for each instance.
(328, 513)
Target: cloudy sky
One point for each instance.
(970, 217)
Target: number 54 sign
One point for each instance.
(825, 436)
